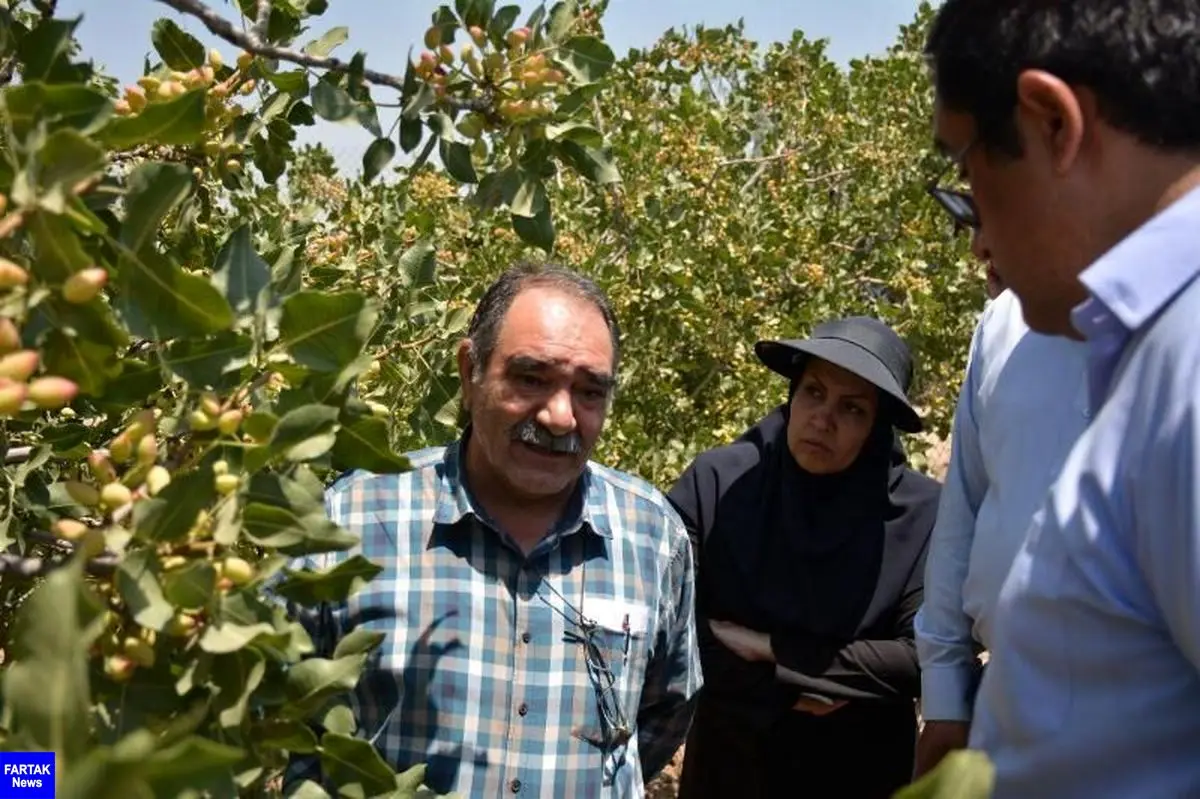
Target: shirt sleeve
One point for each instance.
(944, 642)
(864, 669)
(673, 675)
(1168, 521)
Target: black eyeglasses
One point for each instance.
(959, 204)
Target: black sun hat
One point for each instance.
(860, 345)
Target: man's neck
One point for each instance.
(527, 520)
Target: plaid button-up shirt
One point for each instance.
(507, 674)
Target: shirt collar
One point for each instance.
(585, 511)
(1134, 280)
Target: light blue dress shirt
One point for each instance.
(1023, 403)
(1093, 689)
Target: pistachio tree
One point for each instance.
(184, 341)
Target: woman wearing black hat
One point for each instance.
(811, 535)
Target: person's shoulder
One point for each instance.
(637, 502)
(733, 459)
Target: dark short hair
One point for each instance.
(1141, 59)
(494, 305)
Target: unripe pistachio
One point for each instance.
(115, 495)
(10, 337)
(119, 668)
(12, 275)
(85, 284)
(157, 479)
(20, 365)
(122, 108)
(227, 483)
(12, 397)
(215, 58)
(147, 450)
(69, 529)
(237, 570)
(244, 60)
(139, 652)
(229, 422)
(121, 448)
(446, 54)
(477, 35)
(433, 37)
(101, 468)
(53, 392)
(201, 421)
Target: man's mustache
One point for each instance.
(530, 432)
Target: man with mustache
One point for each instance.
(537, 606)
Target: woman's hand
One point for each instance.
(745, 643)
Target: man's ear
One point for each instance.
(1053, 114)
(465, 369)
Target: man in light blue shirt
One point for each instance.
(1077, 126)
(1022, 404)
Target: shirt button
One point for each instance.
(523, 709)
(515, 786)
(525, 637)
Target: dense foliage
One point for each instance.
(202, 324)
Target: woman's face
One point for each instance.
(832, 414)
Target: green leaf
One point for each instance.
(54, 105)
(170, 515)
(326, 331)
(189, 765)
(226, 637)
(502, 23)
(177, 121)
(214, 362)
(332, 39)
(154, 190)
(239, 273)
(537, 230)
(58, 253)
(963, 774)
(592, 164)
(456, 157)
(294, 736)
(351, 761)
(584, 134)
(46, 690)
(293, 534)
(359, 641)
(138, 582)
(308, 790)
(178, 49)
(313, 681)
(66, 159)
(364, 445)
(336, 584)
(529, 195)
(160, 301)
(418, 263)
(331, 102)
(586, 58)
(190, 586)
(378, 155)
(305, 433)
(43, 52)
(236, 676)
(562, 18)
(88, 362)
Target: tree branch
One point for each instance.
(252, 41)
